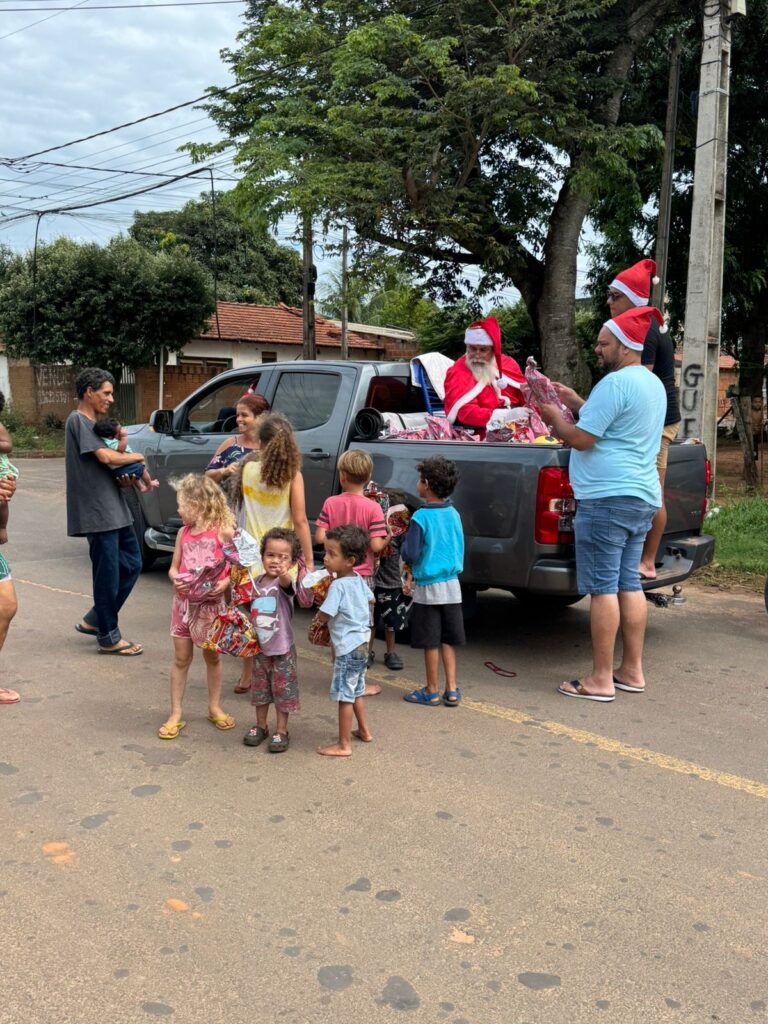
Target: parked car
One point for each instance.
(515, 500)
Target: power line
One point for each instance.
(38, 22)
(123, 7)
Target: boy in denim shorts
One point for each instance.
(347, 610)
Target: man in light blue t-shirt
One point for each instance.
(616, 484)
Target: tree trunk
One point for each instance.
(555, 312)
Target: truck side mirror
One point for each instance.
(161, 421)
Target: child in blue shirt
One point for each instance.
(434, 550)
(347, 610)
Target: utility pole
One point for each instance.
(665, 195)
(344, 343)
(703, 301)
(309, 276)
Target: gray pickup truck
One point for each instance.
(515, 500)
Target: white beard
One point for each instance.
(485, 373)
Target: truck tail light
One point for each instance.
(555, 507)
(707, 484)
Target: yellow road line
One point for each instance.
(592, 739)
(54, 590)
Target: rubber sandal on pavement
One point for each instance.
(222, 722)
(255, 736)
(279, 742)
(579, 691)
(452, 698)
(8, 696)
(86, 632)
(126, 650)
(170, 732)
(627, 687)
(393, 662)
(423, 696)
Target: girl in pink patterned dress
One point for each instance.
(208, 524)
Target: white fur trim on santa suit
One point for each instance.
(454, 411)
(477, 336)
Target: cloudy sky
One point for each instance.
(83, 71)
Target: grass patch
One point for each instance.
(740, 530)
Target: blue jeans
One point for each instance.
(348, 682)
(116, 564)
(610, 533)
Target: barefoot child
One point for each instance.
(274, 668)
(351, 507)
(208, 524)
(434, 549)
(115, 436)
(346, 609)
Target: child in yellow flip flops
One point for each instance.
(208, 525)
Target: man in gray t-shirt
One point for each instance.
(97, 510)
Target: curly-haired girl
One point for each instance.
(269, 487)
(208, 524)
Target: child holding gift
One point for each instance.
(434, 550)
(274, 680)
(346, 610)
(208, 525)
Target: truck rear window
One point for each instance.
(394, 394)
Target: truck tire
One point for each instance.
(544, 602)
(148, 555)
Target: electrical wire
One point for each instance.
(38, 22)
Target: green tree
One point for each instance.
(249, 265)
(110, 306)
(387, 298)
(469, 134)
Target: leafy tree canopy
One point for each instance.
(443, 330)
(463, 134)
(249, 265)
(108, 306)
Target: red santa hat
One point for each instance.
(636, 281)
(631, 328)
(485, 332)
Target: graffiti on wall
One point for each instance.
(691, 398)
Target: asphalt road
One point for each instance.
(523, 859)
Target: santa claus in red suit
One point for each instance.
(483, 379)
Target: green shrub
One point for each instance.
(12, 420)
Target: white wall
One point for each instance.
(246, 353)
(5, 380)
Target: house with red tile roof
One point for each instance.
(242, 334)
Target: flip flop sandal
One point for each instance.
(8, 696)
(579, 691)
(279, 742)
(255, 736)
(222, 722)
(171, 731)
(242, 689)
(128, 650)
(452, 698)
(393, 662)
(626, 687)
(86, 632)
(423, 696)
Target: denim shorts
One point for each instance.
(610, 533)
(348, 682)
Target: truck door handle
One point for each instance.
(317, 455)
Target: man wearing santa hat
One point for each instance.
(616, 485)
(483, 379)
(630, 288)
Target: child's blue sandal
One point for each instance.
(452, 698)
(423, 696)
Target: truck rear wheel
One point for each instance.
(148, 555)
